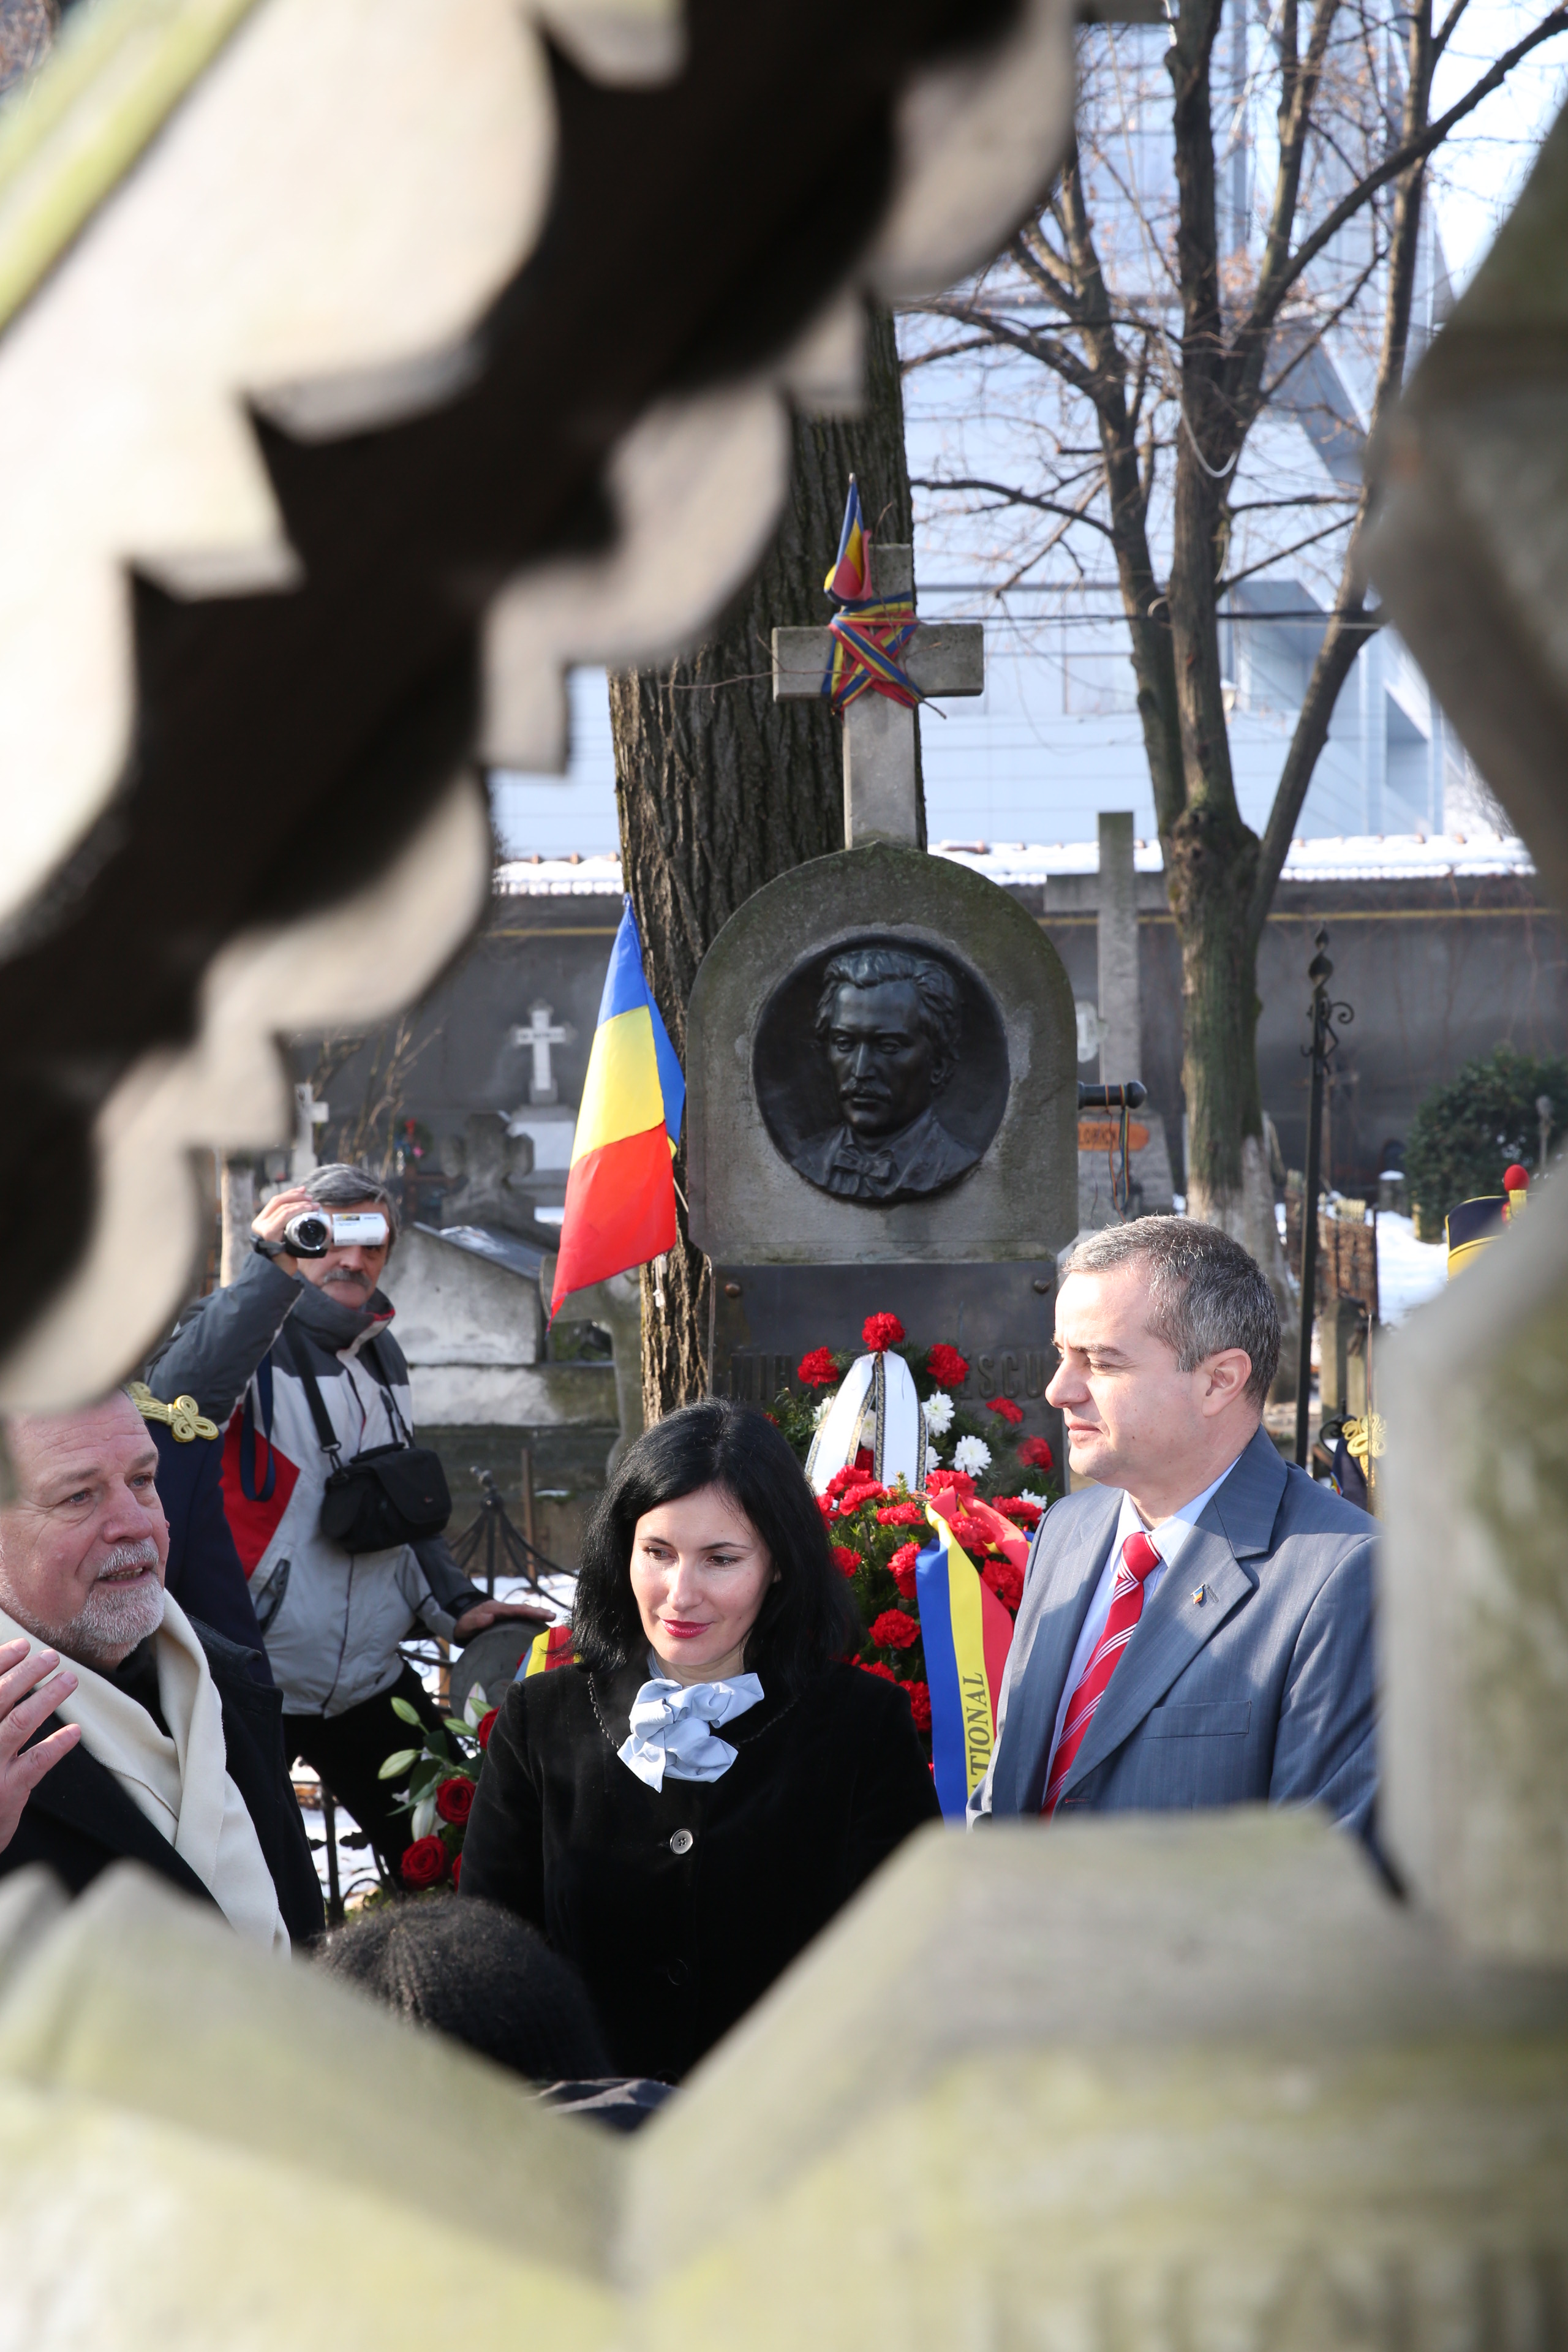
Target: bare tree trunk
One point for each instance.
(720, 789)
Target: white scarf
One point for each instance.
(179, 1783)
(671, 1728)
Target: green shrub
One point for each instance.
(1466, 1132)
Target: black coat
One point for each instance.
(204, 1572)
(78, 1818)
(680, 1906)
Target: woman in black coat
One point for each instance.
(682, 1809)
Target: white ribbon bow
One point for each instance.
(672, 1728)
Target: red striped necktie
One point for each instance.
(1138, 1558)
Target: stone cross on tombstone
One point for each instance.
(540, 1035)
(308, 1115)
(879, 798)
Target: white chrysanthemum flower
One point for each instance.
(937, 1410)
(1040, 1502)
(972, 1455)
(824, 1407)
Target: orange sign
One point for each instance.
(1105, 1135)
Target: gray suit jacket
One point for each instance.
(1263, 1690)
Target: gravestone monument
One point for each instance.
(881, 1066)
(1120, 1027)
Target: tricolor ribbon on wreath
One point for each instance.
(869, 632)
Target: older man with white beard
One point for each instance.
(128, 1730)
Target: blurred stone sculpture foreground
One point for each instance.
(1188, 2083)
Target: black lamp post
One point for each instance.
(1325, 1015)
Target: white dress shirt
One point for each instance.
(1168, 1537)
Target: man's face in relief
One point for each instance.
(884, 1065)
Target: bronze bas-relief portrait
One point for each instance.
(881, 1068)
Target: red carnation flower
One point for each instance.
(946, 1367)
(901, 1569)
(455, 1799)
(424, 1863)
(902, 1515)
(1023, 1514)
(818, 1370)
(849, 1476)
(846, 1561)
(972, 1534)
(1036, 1454)
(487, 1723)
(867, 1491)
(458, 1859)
(1010, 1412)
(875, 1666)
(918, 1695)
(1005, 1581)
(895, 1630)
(957, 1483)
(880, 1331)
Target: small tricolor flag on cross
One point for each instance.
(620, 1192)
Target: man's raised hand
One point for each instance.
(30, 1690)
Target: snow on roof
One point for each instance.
(1358, 857)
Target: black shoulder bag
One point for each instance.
(388, 1496)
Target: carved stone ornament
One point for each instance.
(364, 364)
(881, 1069)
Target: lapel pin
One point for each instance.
(1200, 1596)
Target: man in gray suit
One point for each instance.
(1197, 1626)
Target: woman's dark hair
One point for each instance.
(478, 1973)
(807, 1618)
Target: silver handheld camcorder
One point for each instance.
(314, 1232)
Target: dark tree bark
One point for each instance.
(720, 788)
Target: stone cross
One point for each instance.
(308, 1115)
(540, 1035)
(1120, 1012)
(880, 796)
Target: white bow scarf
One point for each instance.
(181, 1783)
(672, 1728)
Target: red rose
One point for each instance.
(946, 1367)
(1011, 1413)
(458, 1859)
(880, 1331)
(1036, 1454)
(918, 1695)
(1005, 1581)
(956, 1483)
(901, 1569)
(424, 1863)
(875, 1666)
(902, 1515)
(818, 1370)
(846, 1561)
(895, 1630)
(487, 1723)
(1023, 1514)
(455, 1800)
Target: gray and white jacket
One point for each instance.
(332, 1622)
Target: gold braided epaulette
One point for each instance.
(185, 1417)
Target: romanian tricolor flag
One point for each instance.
(850, 578)
(967, 1634)
(547, 1651)
(620, 1194)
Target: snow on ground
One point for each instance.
(1408, 1271)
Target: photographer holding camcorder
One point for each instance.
(337, 1514)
